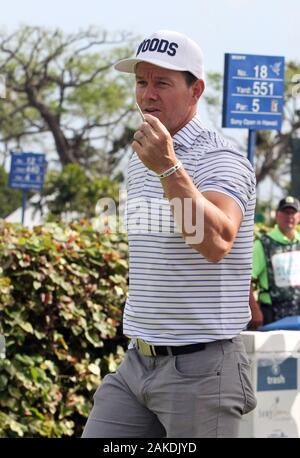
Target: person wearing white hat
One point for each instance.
(186, 373)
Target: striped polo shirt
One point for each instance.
(176, 296)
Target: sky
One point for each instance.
(269, 27)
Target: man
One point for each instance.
(186, 373)
(276, 267)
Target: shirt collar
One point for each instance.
(187, 135)
(277, 235)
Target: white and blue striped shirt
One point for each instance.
(177, 297)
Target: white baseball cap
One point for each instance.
(167, 49)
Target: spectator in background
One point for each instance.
(276, 267)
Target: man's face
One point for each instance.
(287, 219)
(165, 94)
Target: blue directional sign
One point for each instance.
(253, 91)
(27, 170)
(275, 376)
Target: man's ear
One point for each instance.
(198, 88)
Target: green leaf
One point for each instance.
(39, 335)
(37, 413)
(26, 327)
(118, 290)
(94, 369)
(3, 382)
(37, 285)
(14, 392)
(17, 427)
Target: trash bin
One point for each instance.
(274, 358)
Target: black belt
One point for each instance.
(161, 350)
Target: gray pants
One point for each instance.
(201, 394)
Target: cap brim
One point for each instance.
(128, 65)
(288, 206)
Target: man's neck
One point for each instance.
(289, 234)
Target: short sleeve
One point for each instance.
(227, 172)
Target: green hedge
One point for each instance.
(62, 291)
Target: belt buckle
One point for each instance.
(145, 349)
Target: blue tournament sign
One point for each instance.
(253, 91)
(27, 171)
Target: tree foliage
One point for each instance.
(273, 149)
(10, 199)
(63, 89)
(73, 193)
